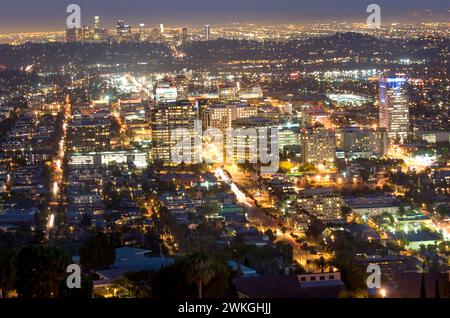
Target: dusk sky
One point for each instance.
(29, 15)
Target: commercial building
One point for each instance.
(169, 119)
(372, 205)
(394, 109)
(166, 93)
(135, 115)
(207, 32)
(123, 30)
(288, 135)
(222, 116)
(362, 142)
(71, 35)
(318, 146)
(324, 203)
(142, 35)
(138, 158)
(85, 134)
(433, 137)
(250, 135)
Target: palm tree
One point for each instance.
(122, 287)
(321, 263)
(199, 271)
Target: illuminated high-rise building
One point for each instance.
(86, 33)
(222, 116)
(123, 30)
(184, 35)
(71, 35)
(98, 31)
(207, 32)
(318, 146)
(85, 134)
(394, 110)
(97, 22)
(161, 28)
(142, 35)
(251, 133)
(134, 114)
(120, 26)
(323, 203)
(169, 118)
(362, 142)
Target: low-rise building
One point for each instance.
(372, 205)
(323, 285)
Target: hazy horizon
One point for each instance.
(49, 15)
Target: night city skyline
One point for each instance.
(225, 156)
(49, 15)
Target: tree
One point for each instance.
(111, 197)
(141, 283)
(85, 292)
(360, 293)
(97, 253)
(443, 210)
(7, 272)
(86, 221)
(286, 250)
(388, 188)
(299, 269)
(402, 210)
(40, 271)
(199, 271)
(270, 235)
(437, 264)
(179, 281)
(345, 211)
(123, 288)
(353, 275)
(389, 216)
(315, 228)
(321, 263)
(444, 247)
(10, 243)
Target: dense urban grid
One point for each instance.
(88, 122)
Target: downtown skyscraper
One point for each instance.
(394, 110)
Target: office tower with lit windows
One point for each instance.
(96, 22)
(222, 116)
(135, 115)
(318, 146)
(86, 33)
(288, 135)
(142, 35)
(250, 135)
(207, 32)
(87, 134)
(123, 30)
(184, 35)
(71, 35)
(394, 110)
(362, 142)
(98, 31)
(166, 119)
(120, 26)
